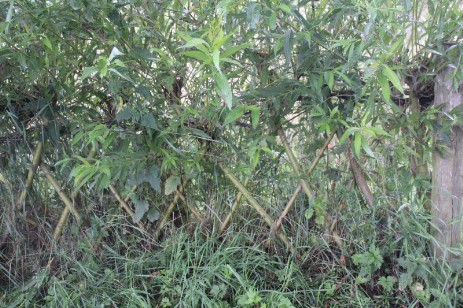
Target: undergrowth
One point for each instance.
(112, 265)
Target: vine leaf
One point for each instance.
(171, 184)
(141, 207)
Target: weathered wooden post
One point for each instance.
(447, 176)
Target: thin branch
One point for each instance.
(234, 207)
(124, 205)
(288, 207)
(360, 178)
(260, 210)
(68, 203)
(190, 207)
(65, 213)
(30, 175)
(169, 211)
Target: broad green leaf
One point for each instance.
(376, 131)
(121, 75)
(196, 54)
(320, 220)
(285, 8)
(148, 120)
(171, 184)
(150, 176)
(385, 88)
(141, 207)
(118, 63)
(255, 113)
(278, 45)
(216, 59)
(219, 40)
(366, 148)
(234, 115)
(195, 42)
(396, 46)
(357, 143)
(347, 133)
(142, 53)
(253, 15)
(87, 71)
(232, 50)
(309, 213)
(288, 46)
(329, 79)
(124, 114)
(272, 21)
(392, 77)
(9, 16)
(224, 89)
(103, 71)
(199, 133)
(105, 180)
(153, 215)
(255, 158)
(75, 4)
(47, 42)
(232, 62)
(114, 53)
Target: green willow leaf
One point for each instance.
(88, 71)
(385, 88)
(224, 89)
(234, 115)
(392, 77)
(255, 114)
(196, 54)
(357, 143)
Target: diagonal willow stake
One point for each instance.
(65, 213)
(360, 178)
(124, 205)
(260, 210)
(30, 175)
(290, 204)
(297, 170)
(189, 206)
(288, 207)
(169, 211)
(294, 163)
(68, 203)
(234, 207)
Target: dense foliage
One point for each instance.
(163, 141)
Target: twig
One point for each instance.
(260, 210)
(124, 205)
(169, 211)
(30, 175)
(67, 202)
(234, 207)
(65, 213)
(360, 178)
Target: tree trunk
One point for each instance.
(447, 178)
